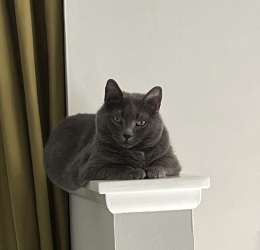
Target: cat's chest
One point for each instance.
(135, 158)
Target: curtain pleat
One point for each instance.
(54, 22)
(24, 15)
(15, 144)
(33, 212)
(7, 230)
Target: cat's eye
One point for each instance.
(140, 123)
(117, 120)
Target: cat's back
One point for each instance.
(80, 125)
(65, 145)
(70, 136)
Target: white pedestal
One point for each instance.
(149, 214)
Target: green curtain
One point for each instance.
(33, 212)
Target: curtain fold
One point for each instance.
(54, 22)
(33, 212)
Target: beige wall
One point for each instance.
(206, 56)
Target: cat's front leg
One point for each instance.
(165, 166)
(156, 172)
(129, 173)
(114, 172)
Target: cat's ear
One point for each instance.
(113, 94)
(153, 98)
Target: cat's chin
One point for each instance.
(126, 145)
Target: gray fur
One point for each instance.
(88, 147)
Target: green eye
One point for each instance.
(117, 120)
(140, 123)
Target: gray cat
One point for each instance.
(125, 140)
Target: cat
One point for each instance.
(125, 140)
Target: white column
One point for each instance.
(149, 214)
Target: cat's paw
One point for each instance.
(156, 172)
(136, 173)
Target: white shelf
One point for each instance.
(172, 193)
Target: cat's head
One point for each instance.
(130, 119)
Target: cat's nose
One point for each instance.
(127, 136)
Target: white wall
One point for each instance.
(206, 56)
